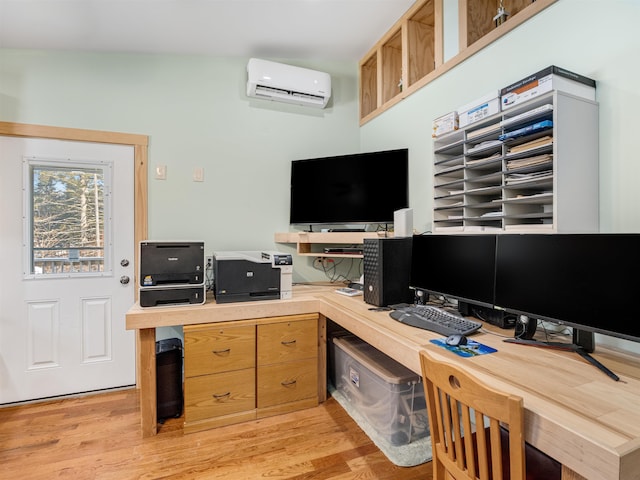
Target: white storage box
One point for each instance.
(551, 78)
(445, 124)
(478, 109)
(387, 394)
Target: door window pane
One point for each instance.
(67, 218)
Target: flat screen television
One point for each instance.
(362, 188)
(582, 280)
(459, 267)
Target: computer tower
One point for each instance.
(387, 271)
(169, 378)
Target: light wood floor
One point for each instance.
(98, 437)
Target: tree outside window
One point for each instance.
(67, 224)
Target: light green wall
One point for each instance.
(595, 38)
(196, 112)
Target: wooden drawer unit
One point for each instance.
(287, 382)
(287, 341)
(287, 377)
(218, 348)
(239, 371)
(220, 394)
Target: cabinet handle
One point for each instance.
(288, 383)
(219, 396)
(220, 352)
(288, 342)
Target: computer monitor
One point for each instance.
(582, 280)
(459, 267)
(362, 188)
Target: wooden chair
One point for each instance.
(469, 423)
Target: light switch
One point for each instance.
(198, 174)
(161, 172)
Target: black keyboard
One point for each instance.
(435, 319)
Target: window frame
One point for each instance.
(31, 162)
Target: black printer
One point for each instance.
(246, 276)
(171, 273)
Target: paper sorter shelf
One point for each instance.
(538, 198)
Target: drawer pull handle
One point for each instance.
(288, 342)
(220, 396)
(288, 383)
(220, 352)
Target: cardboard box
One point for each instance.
(551, 78)
(478, 109)
(445, 124)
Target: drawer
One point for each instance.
(220, 394)
(218, 348)
(287, 341)
(287, 382)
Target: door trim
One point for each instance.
(140, 145)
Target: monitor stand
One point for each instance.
(584, 339)
(571, 347)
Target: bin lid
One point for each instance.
(379, 363)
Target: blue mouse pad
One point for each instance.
(471, 349)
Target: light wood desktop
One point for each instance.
(574, 412)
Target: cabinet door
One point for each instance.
(218, 348)
(209, 396)
(287, 341)
(287, 382)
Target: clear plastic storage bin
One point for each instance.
(386, 393)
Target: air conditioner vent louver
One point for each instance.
(270, 92)
(286, 83)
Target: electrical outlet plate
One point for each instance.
(208, 261)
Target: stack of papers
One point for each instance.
(537, 143)
(536, 111)
(515, 178)
(484, 159)
(527, 130)
(481, 131)
(483, 145)
(536, 160)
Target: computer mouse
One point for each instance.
(456, 339)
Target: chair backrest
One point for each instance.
(465, 417)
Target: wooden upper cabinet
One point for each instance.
(477, 17)
(407, 53)
(411, 53)
(368, 86)
(391, 67)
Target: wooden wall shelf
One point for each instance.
(311, 244)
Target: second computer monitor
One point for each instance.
(460, 267)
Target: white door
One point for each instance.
(66, 253)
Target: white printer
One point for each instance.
(244, 276)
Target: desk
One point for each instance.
(573, 412)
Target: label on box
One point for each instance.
(544, 81)
(445, 124)
(478, 113)
(354, 376)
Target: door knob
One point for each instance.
(124, 262)
(124, 279)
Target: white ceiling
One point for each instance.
(318, 29)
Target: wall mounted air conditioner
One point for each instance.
(285, 83)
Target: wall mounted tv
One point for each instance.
(362, 188)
